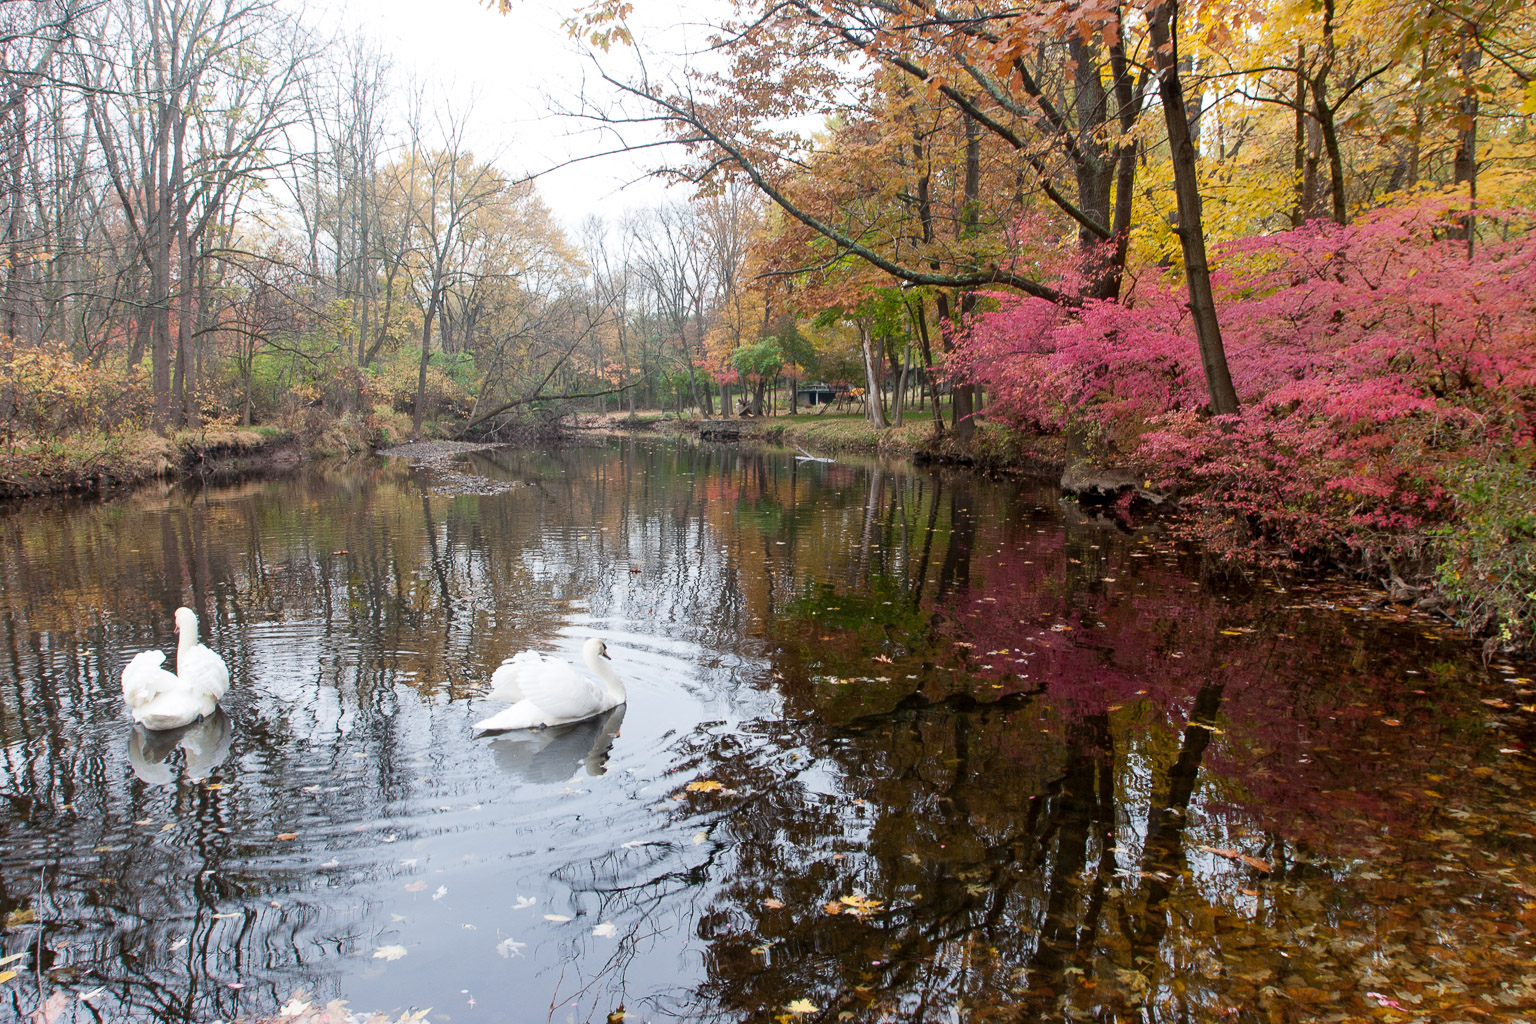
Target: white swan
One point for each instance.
(163, 700)
(546, 691)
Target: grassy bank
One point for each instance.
(992, 447)
(90, 463)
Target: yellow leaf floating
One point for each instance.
(6, 976)
(25, 915)
(802, 1006)
(860, 905)
(704, 786)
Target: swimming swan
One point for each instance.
(165, 700)
(547, 691)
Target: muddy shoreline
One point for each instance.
(116, 463)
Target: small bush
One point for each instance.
(1489, 552)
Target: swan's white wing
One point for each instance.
(506, 681)
(203, 669)
(143, 678)
(563, 693)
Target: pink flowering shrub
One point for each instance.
(1373, 362)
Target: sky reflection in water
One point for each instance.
(960, 751)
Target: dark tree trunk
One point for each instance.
(1202, 303)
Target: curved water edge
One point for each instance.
(899, 743)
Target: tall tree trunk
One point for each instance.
(426, 353)
(960, 394)
(1466, 133)
(920, 318)
(1163, 24)
(160, 274)
(871, 382)
(1299, 149)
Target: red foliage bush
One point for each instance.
(1372, 360)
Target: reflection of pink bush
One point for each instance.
(1370, 359)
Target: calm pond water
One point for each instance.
(900, 746)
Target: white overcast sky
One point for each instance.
(513, 68)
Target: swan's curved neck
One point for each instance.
(188, 636)
(604, 671)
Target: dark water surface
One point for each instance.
(900, 745)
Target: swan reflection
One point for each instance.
(206, 744)
(556, 753)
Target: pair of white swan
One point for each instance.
(170, 700)
(546, 691)
(542, 690)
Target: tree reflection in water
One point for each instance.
(960, 752)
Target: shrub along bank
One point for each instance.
(1388, 386)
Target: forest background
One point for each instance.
(1275, 257)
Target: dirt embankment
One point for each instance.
(90, 465)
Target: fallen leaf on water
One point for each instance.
(285, 836)
(802, 1006)
(606, 930)
(1384, 1001)
(1237, 855)
(773, 904)
(6, 976)
(704, 786)
(524, 902)
(228, 917)
(883, 659)
(510, 948)
(442, 891)
(14, 957)
(860, 904)
(415, 886)
(700, 838)
(557, 918)
(833, 907)
(389, 953)
(1231, 632)
(25, 915)
(214, 786)
(1391, 721)
(86, 997)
